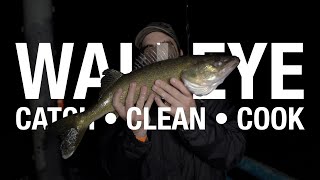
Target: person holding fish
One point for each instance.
(170, 154)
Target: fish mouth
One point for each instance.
(199, 90)
(227, 69)
(209, 85)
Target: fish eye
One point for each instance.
(209, 68)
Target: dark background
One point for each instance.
(291, 152)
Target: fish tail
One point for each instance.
(69, 131)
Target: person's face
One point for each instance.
(151, 40)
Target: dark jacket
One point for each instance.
(177, 154)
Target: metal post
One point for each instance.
(38, 29)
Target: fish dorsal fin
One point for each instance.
(154, 54)
(144, 60)
(109, 78)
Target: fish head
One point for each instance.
(208, 72)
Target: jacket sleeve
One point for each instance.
(121, 152)
(133, 148)
(221, 146)
(123, 155)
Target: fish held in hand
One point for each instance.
(200, 74)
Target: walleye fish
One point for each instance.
(200, 74)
